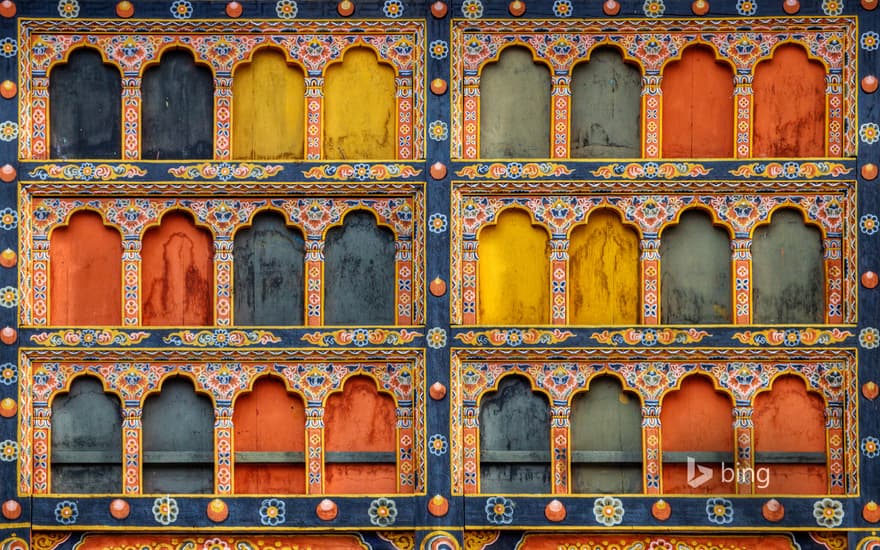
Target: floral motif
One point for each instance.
(792, 337)
(8, 47)
(437, 223)
(869, 224)
(650, 336)
(165, 510)
(608, 511)
(89, 337)
(719, 510)
(437, 445)
(472, 9)
(869, 132)
(746, 7)
(871, 447)
(8, 374)
(66, 512)
(514, 170)
(828, 512)
(8, 450)
(790, 170)
(438, 130)
(361, 172)
(8, 130)
(499, 510)
(68, 8)
(870, 41)
(654, 8)
(361, 337)
(514, 337)
(221, 338)
(215, 544)
(8, 296)
(393, 9)
(86, 171)
(8, 219)
(436, 338)
(226, 171)
(562, 8)
(286, 9)
(382, 512)
(439, 49)
(272, 511)
(832, 7)
(869, 338)
(181, 9)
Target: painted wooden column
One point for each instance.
(404, 283)
(470, 437)
(131, 274)
(560, 436)
(314, 274)
(223, 284)
(745, 101)
(41, 434)
(404, 85)
(832, 252)
(469, 279)
(314, 114)
(406, 467)
(558, 273)
(222, 116)
(744, 436)
(561, 131)
(834, 108)
(649, 261)
(131, 116)
(223, 447)
(39, 289)
(132, 428)
(40, 116)
(470, 116)
(652, 98)
(314, 448)
(653, 447)
(835, 452)
(741, 258)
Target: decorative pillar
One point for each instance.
(406, 479)
(558, 272)
(835, 451)
(314, 114)
(39, 299)
(471, 115)
(131, 447)
(314, 280)
(131, 270)
(131, 116)
(652, 97)
(561, 106)
(404, 284)
(404, 86)
(222, 115)
(653, 446)
(559, 437)
(314, 448)
(223, 284)
(41, 434)
(39, 116)
(470, 437)
(834, 108)
(832, 253)
(223, 447)
(469, 279)
(743, 434)
(741, 258)
(745, 100)
(649, 261)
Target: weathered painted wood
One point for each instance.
(605, 418)
(268, 108)
(788, 274)
(790, 419)
(696, 419)
(359, 272)
(360, 419)
(784, 127)
(603, 272)
(178, 109)
(360, 108)
(85, 282)
(514, 418)
(606, 107)
(177, 273)
(695, 272)
(177, 419)
(513, 272)
(87, 419)
(515, 107)
(268, 280)
(698, 106)
(85, 108)
(269, 419)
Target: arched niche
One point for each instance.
(695, 271)
(359, 272)
(789, 105)
(360, 108)
(269, 440)
(697, 422)
(178, 109)
(790, 439)
(268, 279)
(606, 107)
(360, 440)
(514, 272)
(177, 274)
(698, 106)
(788, 275)
(514, 439)
(515, 107)
(178, 440)
(603, 272)
(86, 440)
(606, 439)
(268, 108)
(85, 272)
(85, 108)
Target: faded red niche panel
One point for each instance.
(611, 542)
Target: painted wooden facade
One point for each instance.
(477, 274)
